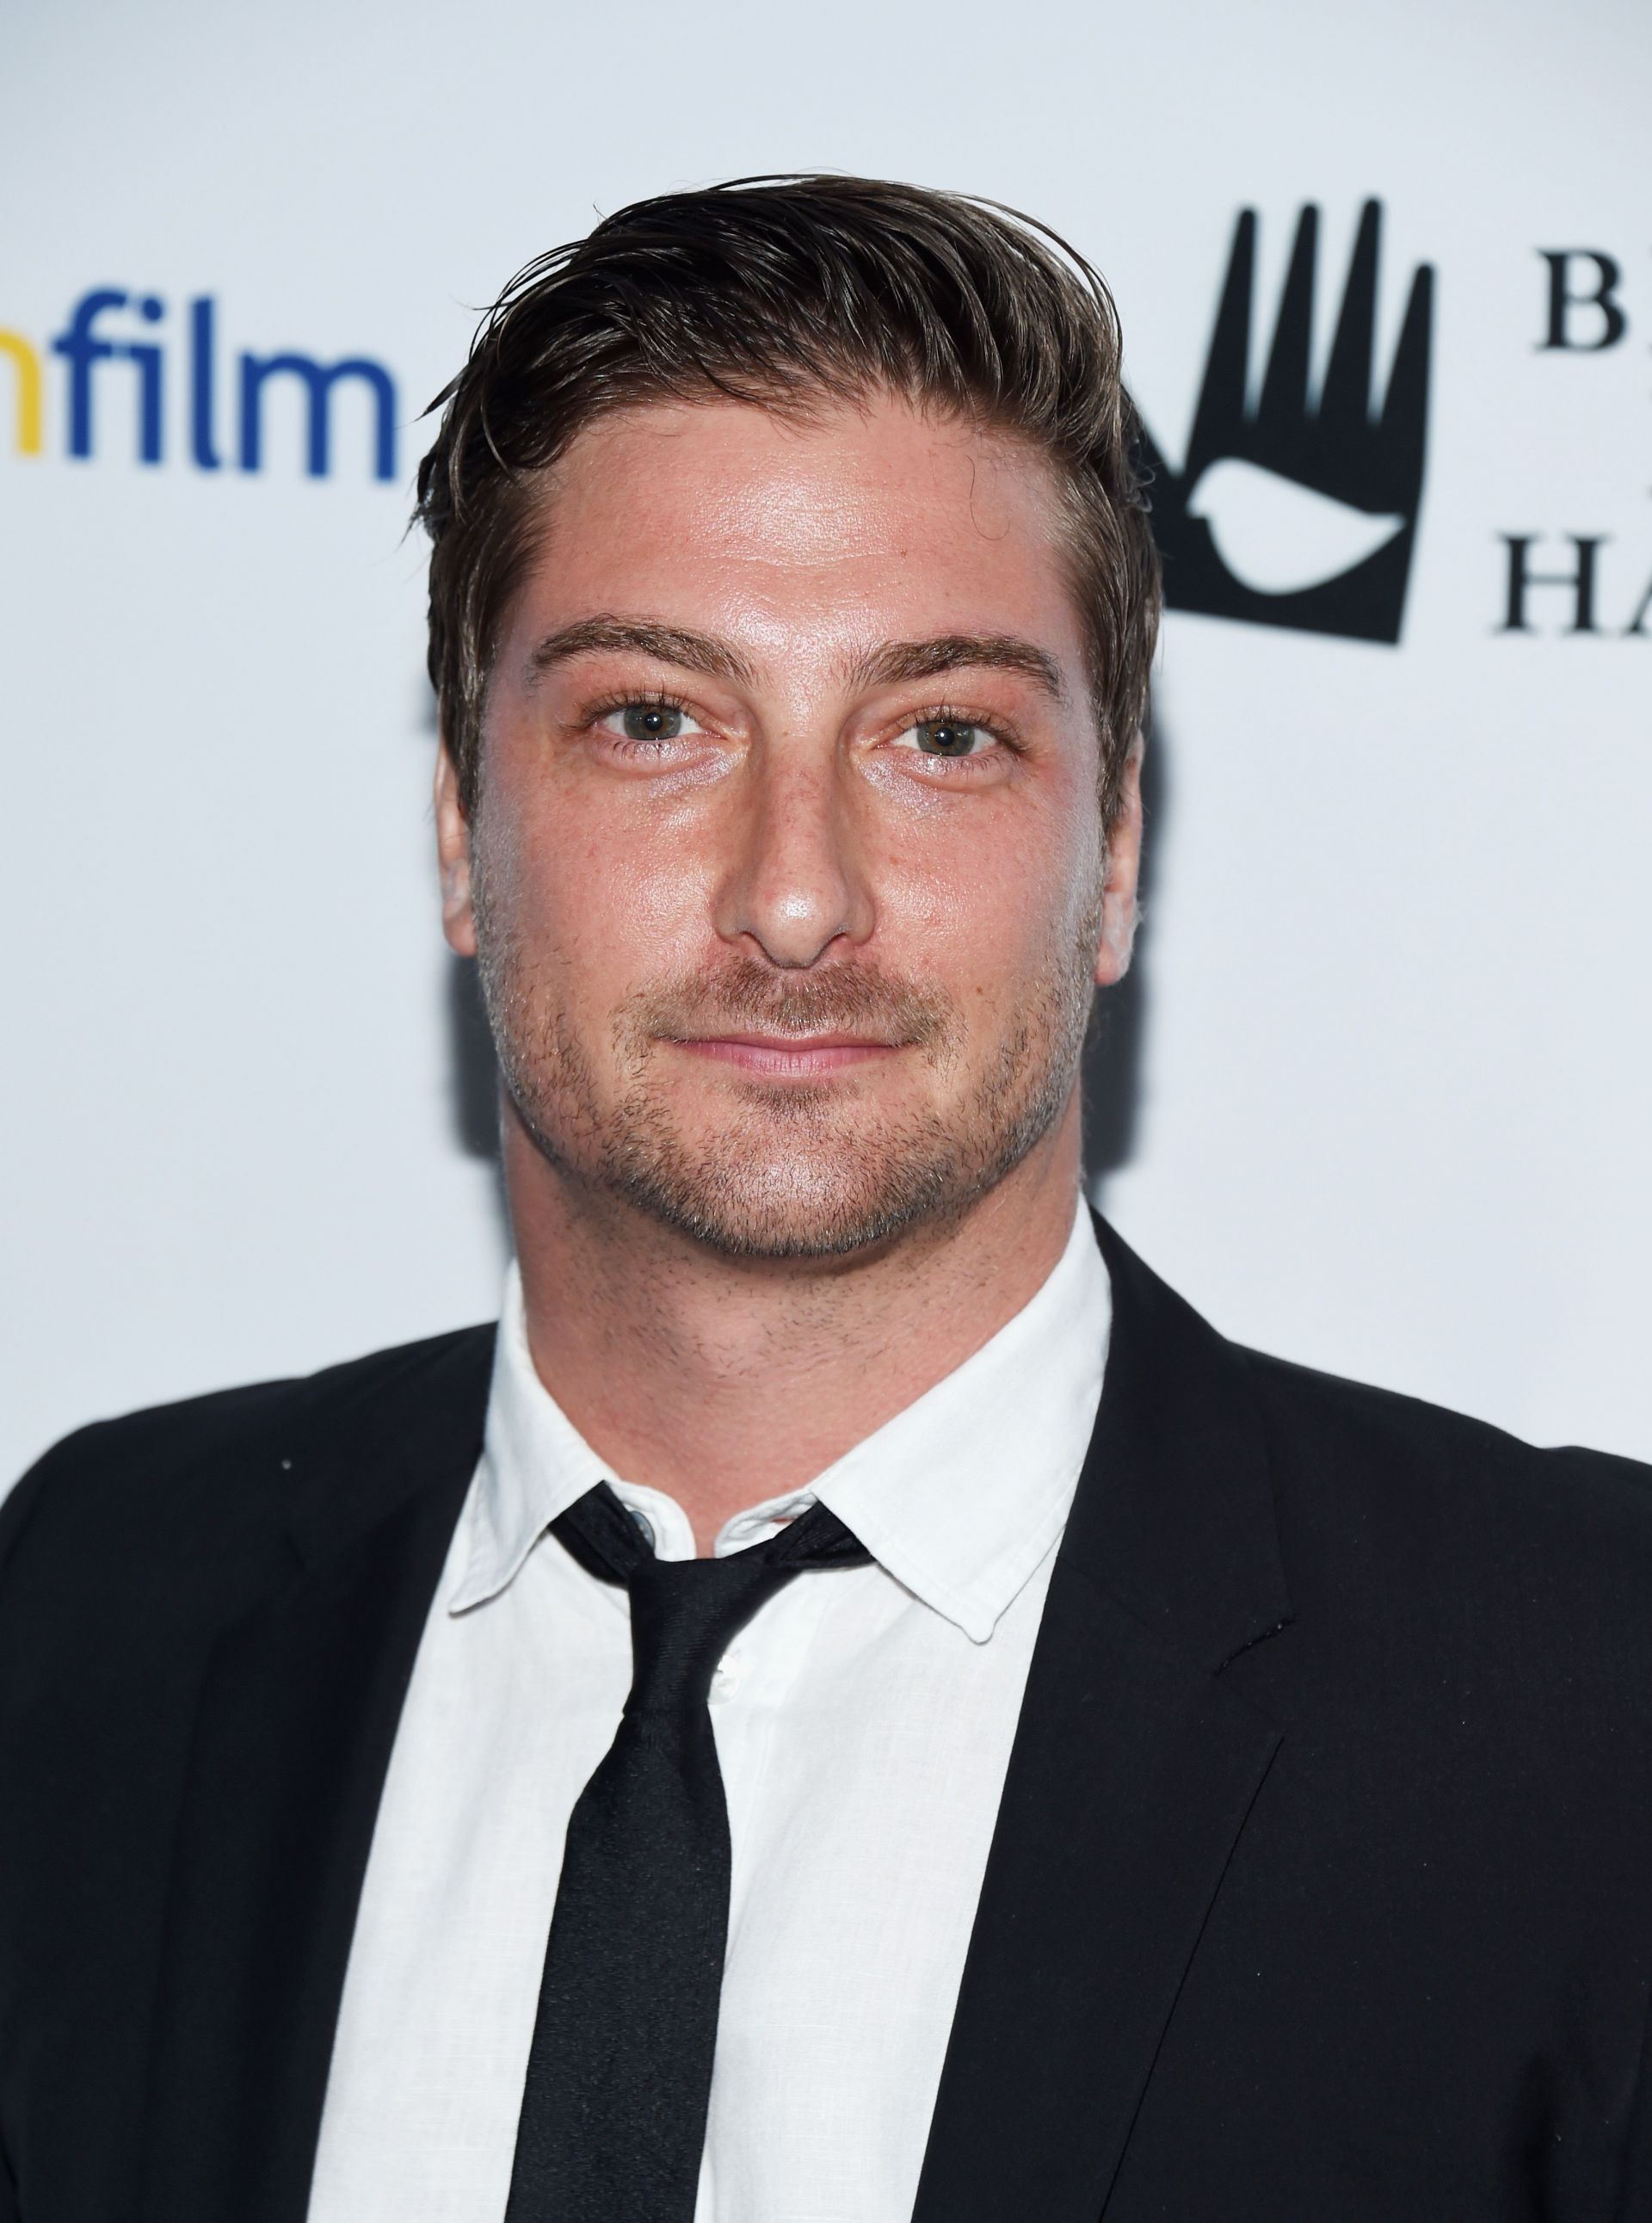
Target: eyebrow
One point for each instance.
(898, 661)
(689, 651)
(892, 664)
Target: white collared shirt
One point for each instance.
(863, 1725)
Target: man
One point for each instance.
(859, 1705)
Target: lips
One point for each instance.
(789, 1056)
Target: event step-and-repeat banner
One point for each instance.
(1378, 1093)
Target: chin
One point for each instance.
(757, 1228)
(797, 1195)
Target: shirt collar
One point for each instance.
(534, 1464)
(960, 1497)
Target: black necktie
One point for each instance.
(613, 2110)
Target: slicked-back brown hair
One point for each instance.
(784, 293)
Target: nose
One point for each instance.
(796, 883)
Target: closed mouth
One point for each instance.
(788, 1055)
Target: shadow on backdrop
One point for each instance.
(1113, 1052)
(475, 1071)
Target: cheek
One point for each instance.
(594, 910)
(992, 910)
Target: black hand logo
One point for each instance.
(1302, 513)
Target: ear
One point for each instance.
(453, 856)
(1118, 912)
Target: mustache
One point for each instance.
(743, 994)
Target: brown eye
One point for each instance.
(949, 737)
(651, 722)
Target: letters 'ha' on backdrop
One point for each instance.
(1380, 1095)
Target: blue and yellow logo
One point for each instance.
(109, 327)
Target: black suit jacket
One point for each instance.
(1322, 1887)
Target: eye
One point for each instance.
(947, 737)
(646, 722)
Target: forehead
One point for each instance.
(873, 521)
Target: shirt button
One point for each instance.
(725, 1678)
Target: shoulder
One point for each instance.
(1411, 1506)
(1417, 1447)
(208, 1469)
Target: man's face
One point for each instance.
(787, 875)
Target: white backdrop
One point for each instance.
(1389, 1077)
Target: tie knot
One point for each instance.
(685, 1613)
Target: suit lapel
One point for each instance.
(298, 1714)
(1133, 1769)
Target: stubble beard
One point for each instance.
(796, 1172)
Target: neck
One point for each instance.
(724, 1382)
